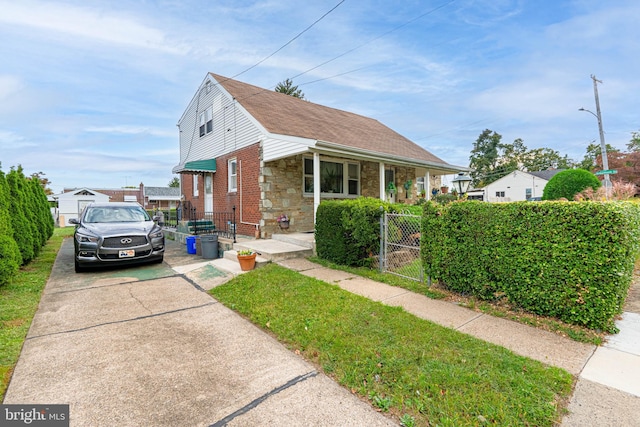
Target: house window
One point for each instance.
(195, 185)
(420, 188)
(233, 175)
(206, 121)
(499, 193)
(336, 178)
(527, 193)
(208, 86)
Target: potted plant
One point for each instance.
(283, 221)
(444, 189)
(247, 259)
(391, 188)
(407, 186)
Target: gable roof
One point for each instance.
(548, 174)
(286, 115)
(165, 193)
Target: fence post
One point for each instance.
(234, 223)
(381, 254)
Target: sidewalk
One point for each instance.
(607, 392)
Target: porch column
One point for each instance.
(427, 185)
(316, 184)
(382, 187)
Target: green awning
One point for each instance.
(200, 166)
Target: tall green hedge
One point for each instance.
(25, 221)
(573, 261)
(10, 258)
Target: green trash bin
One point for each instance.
(209, 243)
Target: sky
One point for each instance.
(91, 91)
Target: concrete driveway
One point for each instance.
(146, 346)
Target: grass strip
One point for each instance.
(494, 308)
(19, 301)
(420, 372)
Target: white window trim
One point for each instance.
(195, 185)
(345, 178)
(230, 175)
(205, 120)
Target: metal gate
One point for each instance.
(400, 246)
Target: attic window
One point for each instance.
(206, 121)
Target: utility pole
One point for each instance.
(603, 147)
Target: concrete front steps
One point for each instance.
(280, 247)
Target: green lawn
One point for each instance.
(419, 372)
(19, 301)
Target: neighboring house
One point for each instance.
(161, 197)
(518, 186)
(267, 154)
(72, 202)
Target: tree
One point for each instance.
(593, 159)
(567, 184)
(288, 88)
(44, 182)
(541, 159)
(10, 258)
(634, 143)
(175, 182)
(485, 158)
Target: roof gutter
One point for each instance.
(333, 148)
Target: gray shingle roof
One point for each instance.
(286, 115)
(548, 174)
(162, 192)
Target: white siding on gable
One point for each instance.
(514, 187)
(274, 149)
(232, 127)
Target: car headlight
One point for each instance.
(156, 234)
(85, 237)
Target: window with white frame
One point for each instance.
(206, 121)
(232, 170)
(420, 187)
(336, 178)
(499, 193)
(195, 185)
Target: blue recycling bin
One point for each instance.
(191, 245)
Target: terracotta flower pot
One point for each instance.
(247, 262)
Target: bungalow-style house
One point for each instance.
(519, 186)
(72, 202)
(269, 154)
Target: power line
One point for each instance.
(352, 50)
(290, 41)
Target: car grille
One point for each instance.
(116, 242)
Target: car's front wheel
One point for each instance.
(78, 267)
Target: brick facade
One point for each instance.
(268, 189)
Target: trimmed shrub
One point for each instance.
(573, 261)
(568, 183)
(348, 231)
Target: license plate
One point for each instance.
(127, 254)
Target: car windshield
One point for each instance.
(116, 214)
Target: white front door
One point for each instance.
(208, 193)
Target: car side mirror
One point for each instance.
(74, 221)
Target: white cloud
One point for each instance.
(88, 23)
(131, 130)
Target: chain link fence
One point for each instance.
(400, 246)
